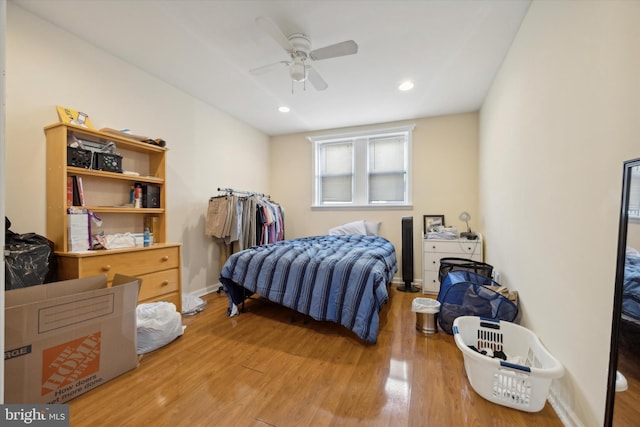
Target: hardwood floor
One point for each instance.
(260, 369)
(626, 412)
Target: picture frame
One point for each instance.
(431, 221)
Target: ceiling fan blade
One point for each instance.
(266, 68)
(316, 81)
(275, 32)
(348, 47)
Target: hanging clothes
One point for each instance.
(270, 221)
(218, 217)
(249, 220)
(248, 223)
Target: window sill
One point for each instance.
(361, 207)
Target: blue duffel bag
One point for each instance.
(464, 293)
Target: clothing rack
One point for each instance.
(242, 219)
(229, 192)
(246, 193)
(264, 224)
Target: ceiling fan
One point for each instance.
(298, 46)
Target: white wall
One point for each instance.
(3, 20)
(445, 177)
(559, 121)
(46, 66)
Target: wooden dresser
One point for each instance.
(158, 266)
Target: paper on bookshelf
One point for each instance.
(68, 115)
(78, 232)
(124, 134)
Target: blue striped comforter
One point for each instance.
(342, 279)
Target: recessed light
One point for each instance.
(284, 109)
(405, 86)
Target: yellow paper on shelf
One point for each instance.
(68, 115)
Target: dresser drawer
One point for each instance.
(430, 283)
(432, 261)
(456, 247)
(161, 282)
(135, 264)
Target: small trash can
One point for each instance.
(426, 310)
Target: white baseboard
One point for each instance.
(209, 289)
(567, 416)
(398, 281)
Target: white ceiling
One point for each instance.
(450, 49)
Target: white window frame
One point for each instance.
(634, 195)
(361, 171)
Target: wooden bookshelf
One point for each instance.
(107, 195)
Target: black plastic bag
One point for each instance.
(28, 259)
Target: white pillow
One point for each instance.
(355, 227)
(373, 228)
(632, 251)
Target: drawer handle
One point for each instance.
(106, 267)
(164, 283)
(165, 258)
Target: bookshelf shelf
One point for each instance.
(71, 170)
(105, 137)
(125, 210)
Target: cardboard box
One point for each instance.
(63, 339)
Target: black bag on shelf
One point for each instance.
(28, 259)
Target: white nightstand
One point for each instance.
(435, 249)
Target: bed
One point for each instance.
(341, 279)
(631, 287)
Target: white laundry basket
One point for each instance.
(523, 380)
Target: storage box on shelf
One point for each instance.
(107, 194)
(433, 250)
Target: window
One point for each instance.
(365, 169)
(634, 194)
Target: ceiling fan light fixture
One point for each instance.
(405, 86)
(297, 70)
